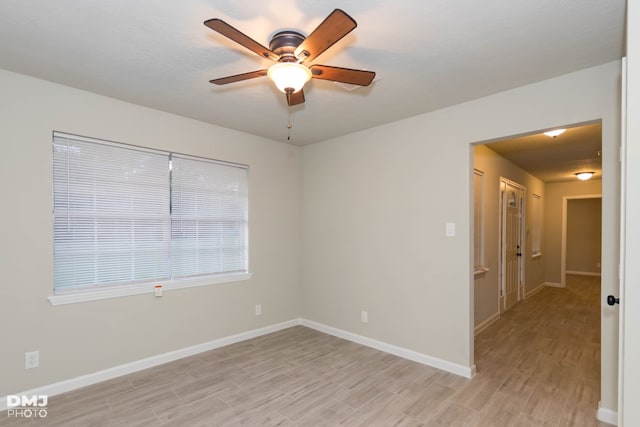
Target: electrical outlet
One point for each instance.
(364, 317)
(31, 359)
(258, 309)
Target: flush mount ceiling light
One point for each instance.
(555, 132)
(289, 76)
(583, 176)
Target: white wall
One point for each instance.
(375, 204)
(487, 285)
(83, 338)
(372, 221)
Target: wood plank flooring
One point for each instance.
(539, 365)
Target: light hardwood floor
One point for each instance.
(539, 365)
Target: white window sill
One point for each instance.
(145, 288)
(480, 270)
(536, 255)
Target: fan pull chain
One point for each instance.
(289, 125)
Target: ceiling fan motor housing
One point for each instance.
(284, 43)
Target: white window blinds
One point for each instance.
(123, 215)
(111, 214)
(209, 205)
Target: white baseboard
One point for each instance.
(534, 290)
(149, 362)
(583, 273)
(486, 323)
(554, 285)
(608, 416)
(445, 365)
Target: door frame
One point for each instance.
(629, 293)
(563, 251)
(522, 192)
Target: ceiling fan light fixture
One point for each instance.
(583, 176)
(555, 132)
(289, 75)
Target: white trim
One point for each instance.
(622, 330)
(121, 291)
(535, 290)
(480, 204)
(445, 365)
(554, 284)
(582, 273)
(149, 362)
(536, 219)
(486, 323)
(606, 415)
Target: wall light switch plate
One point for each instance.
(451, 229)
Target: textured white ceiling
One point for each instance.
(578, 149)
(427, 54)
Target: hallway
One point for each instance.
(545, 353)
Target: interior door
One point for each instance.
(512, 243)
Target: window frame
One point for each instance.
(100, 291)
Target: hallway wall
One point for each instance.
(584, 235)
(552, 234)
(487, 285)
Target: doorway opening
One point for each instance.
(542, 187)
(581, 236)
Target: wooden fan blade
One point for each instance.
(343, 75)
(295, 98)
(239, 37)
(238, 77)
(337, 25)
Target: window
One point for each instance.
(478, 224)
(208, 218)
(536, 225)
(128, 218)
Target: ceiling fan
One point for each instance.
(290, 50)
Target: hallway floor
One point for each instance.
(545, 355)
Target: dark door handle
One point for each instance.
(611, 300)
